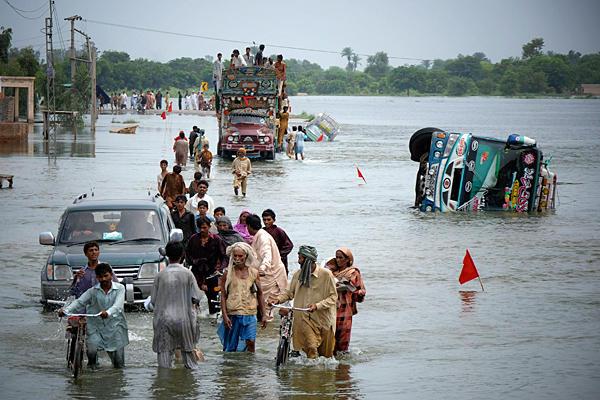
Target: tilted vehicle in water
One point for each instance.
(247, 105)
(322, 126)
(130, 234)
(464, 172)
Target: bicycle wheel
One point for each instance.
(283, 350)
(78, 358)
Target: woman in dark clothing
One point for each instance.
(204, 252)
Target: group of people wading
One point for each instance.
(250, 272)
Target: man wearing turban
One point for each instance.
(312, 287)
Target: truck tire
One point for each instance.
(420, 142)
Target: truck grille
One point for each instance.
(122, 271)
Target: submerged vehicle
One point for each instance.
(130, 234)
(322, 126)
(247, 104)
(464, 172)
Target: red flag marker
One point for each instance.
(170, 109)
(163, 115)
(469, 272)
(320, 138)
(360, 175)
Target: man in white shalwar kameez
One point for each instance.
(271, 269)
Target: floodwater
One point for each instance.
(534, 333)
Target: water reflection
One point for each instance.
(468, 298)
(174, 383)
(318, 380)
(107, 380)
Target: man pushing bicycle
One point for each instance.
(108, 329)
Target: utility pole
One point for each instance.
(73, 18)
(92, 69)
(49, 123)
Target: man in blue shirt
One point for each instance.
(108, 330)
(85, 278)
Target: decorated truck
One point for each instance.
(247, 107)
(465, 172)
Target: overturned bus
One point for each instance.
(464, 172)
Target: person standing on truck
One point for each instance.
(236, 60)
(241, 168)
(259, 60)
(248, 58)
(217, 73)
(280, 73)
(284, 118)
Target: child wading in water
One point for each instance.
(242, 167)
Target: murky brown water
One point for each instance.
(532, 334)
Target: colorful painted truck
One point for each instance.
(246, 113)
(464, 172)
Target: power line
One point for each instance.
(190, 35)
(19, 11)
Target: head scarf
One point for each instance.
(242, 229)
(346, 251)
(251, 259)
(229, 236)
(310, 257)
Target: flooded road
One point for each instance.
(534, 332)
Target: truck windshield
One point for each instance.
(247, 119)
(110, 225)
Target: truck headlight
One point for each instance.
(149, 270)
(59, 272)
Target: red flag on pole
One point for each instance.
(163, 115)
(320, 138)
(360, 175)
(170, 109)
(468, 272)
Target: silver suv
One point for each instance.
(130, 234)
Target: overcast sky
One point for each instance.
(426, 29)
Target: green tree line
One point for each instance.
(534, 73)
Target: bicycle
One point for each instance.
(285, 333)
(217, 300)
(76, 333)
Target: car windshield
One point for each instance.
(247, 119)
(110, 225)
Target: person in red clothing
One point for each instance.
(284, 244)
(351, 290)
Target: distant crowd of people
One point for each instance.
(149, 100)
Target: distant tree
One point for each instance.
(426, 64)
(114, 56)
(348, 53)
(5, 40)
(460, 86)
(378, 64)
(466, 67)
(355, 61)
(533, 48)
(573, 57)
(481, 56)
(560, 75)
(509, 84)
(209, 58)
